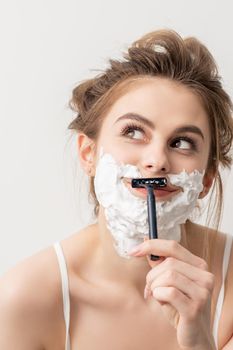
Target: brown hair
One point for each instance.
(165, 54)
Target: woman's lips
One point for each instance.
(160, 194)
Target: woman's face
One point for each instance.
(159, 126)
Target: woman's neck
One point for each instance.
(130, 271)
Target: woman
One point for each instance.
(160, 112)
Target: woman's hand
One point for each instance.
(181, 283)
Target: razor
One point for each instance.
(150, 184)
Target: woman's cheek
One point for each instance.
(189, 163)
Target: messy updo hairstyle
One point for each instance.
(164, 54)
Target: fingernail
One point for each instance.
(146, 293)
(134, 250)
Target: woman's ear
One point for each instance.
(207, 183)
(86, 152)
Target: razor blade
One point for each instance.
(153, 182)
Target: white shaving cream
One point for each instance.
(126, 214)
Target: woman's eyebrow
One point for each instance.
(190, 128)
(138, 117)
(186, 128)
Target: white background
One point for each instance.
(47, 46)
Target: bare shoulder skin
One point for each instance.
(217, 244)
(31, 304)
(31, 300)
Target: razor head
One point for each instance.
(156, 182)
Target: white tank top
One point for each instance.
(66, 298)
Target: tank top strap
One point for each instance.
(65, 290)
(219, 305)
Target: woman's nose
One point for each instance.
(155, 161)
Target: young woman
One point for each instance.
(159, 112)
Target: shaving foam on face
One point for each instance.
(126, 214)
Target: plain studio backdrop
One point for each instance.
(47, 47)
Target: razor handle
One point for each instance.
(150, 184)
(151, 207)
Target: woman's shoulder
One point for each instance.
(215, 246)
(41, 269)
(29, 273)
(35, 281)
(221, 248)
(30, 295)
(203, 234)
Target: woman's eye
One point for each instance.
(133, 132)
(184, 144)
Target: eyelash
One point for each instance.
(187, 139)
(132, 127)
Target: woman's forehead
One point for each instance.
(158, 99)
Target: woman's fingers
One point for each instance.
(181, 303)
(184, 295)
(168, 248)
(183, 284)
(172, 267)
(181, 280)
